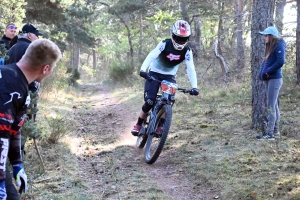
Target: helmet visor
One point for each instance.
(180, 40)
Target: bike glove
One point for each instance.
(145, 75)
(194, 91)
(20, 177)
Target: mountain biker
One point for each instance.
(164, 61)
(37, 63)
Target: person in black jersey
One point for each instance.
(165, 60)
(37, 63)
(17, 48)
(27, 34)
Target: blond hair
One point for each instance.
(269, 48)
(42, 52)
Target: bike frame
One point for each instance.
(166, 97)
(162, 107)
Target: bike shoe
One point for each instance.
(159, 129)
(136, 129)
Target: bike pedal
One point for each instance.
(157, 135)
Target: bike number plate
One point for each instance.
(168, 87)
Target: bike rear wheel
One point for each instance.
(155, 144)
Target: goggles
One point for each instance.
(11, 27)
(180, 40)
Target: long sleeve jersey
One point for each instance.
(164, 59)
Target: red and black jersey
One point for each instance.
(14, 99)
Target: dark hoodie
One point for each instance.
(5, 40)
(271, 67)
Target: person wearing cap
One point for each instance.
(9, 33)
(271, 74)
(26, 35)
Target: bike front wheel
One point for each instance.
(142, 137)
(156, 141)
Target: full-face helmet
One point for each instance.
(181, 32)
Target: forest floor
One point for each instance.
(211, 151)
(98, 159)
(118, 165)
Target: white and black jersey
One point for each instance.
(165, 59)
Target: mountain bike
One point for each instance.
(159, 116)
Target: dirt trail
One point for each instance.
(113, 116)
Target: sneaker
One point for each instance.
(268, 136)
(277, 135)
(136, 129)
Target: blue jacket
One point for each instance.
(271, 67)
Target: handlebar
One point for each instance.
(184, 90)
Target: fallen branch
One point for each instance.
(223, 63)
(38, 152)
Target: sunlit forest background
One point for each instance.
(108, 40)
(92, 97)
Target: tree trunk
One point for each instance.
(262, 17)
(94, 59)
(280, 4)
(218, 49)
(76, 57)
(141, 37)
(298, 43)
(239, 5)
(88, 60)
(198, 41)
(184, 11)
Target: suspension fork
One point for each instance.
(152, 121)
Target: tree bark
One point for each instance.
(298, 43)
(141, 37)
(218, 49)
(184, 11)
(76, 57)
(198, 41)
(262, 17)
(94, 59)
(240, 64)
(280, 4)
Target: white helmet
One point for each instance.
(181, 32)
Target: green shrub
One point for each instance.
(52, 128)
(120, 71)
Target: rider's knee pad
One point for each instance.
(149, 103)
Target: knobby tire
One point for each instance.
(151, 154)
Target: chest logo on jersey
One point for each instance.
(173, 57)
(27, 103)
(12, 95)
